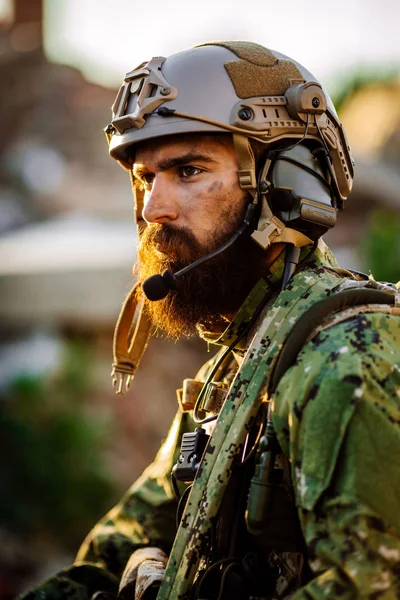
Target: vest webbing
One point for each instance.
(248, 389)
(275, 343)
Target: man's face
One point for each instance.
(192, 204)
(190, 182)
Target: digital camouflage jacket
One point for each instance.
(336, 414)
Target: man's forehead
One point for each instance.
(173, 145)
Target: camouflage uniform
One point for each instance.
(336, 414)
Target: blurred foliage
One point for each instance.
(52, 480)
(382, 246)
(353, 80)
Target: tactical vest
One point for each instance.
(285, 325)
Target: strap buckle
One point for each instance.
(247, 179)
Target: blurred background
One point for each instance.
(69, 447)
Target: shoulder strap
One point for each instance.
(312, 318)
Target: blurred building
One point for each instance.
(54, 162)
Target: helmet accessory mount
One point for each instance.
(149, 87)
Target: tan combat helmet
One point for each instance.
(266, 101)
(258, 95)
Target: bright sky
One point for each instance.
(106, 38)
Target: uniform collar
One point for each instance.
(266, 289)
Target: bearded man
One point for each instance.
(193, 205)
(239, 165)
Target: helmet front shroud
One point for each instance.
(262, 98)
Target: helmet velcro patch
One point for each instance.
(259, 72)
(251, 80)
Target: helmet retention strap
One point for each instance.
(247, 164)
(270, 229)
(131, 337)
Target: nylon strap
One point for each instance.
(131, 337)
(138, 199)
(273, 231)
(247, 164)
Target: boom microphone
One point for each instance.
(157, 286)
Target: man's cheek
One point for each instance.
(215, 188)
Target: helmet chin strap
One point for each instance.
(270, 229)
(131, 337)
(247, 165)
(138, 200)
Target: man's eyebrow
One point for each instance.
(176, 161)
(183, 159)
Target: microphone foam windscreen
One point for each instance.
(155, 288)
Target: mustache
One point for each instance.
(178, 243)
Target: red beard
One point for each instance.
(209, 295)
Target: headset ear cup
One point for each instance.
(280, 200)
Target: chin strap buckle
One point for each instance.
(122, 378)
(247, 163)
(247, 179)
(131, 336)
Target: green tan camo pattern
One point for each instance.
(232, 426)
(337, 415)
(78, 582)
(145, 516)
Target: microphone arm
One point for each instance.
(157, 286)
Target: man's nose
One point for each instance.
(159, 203)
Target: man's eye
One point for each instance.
(189, 171)
(147, 179)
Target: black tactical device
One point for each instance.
(192, 448)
